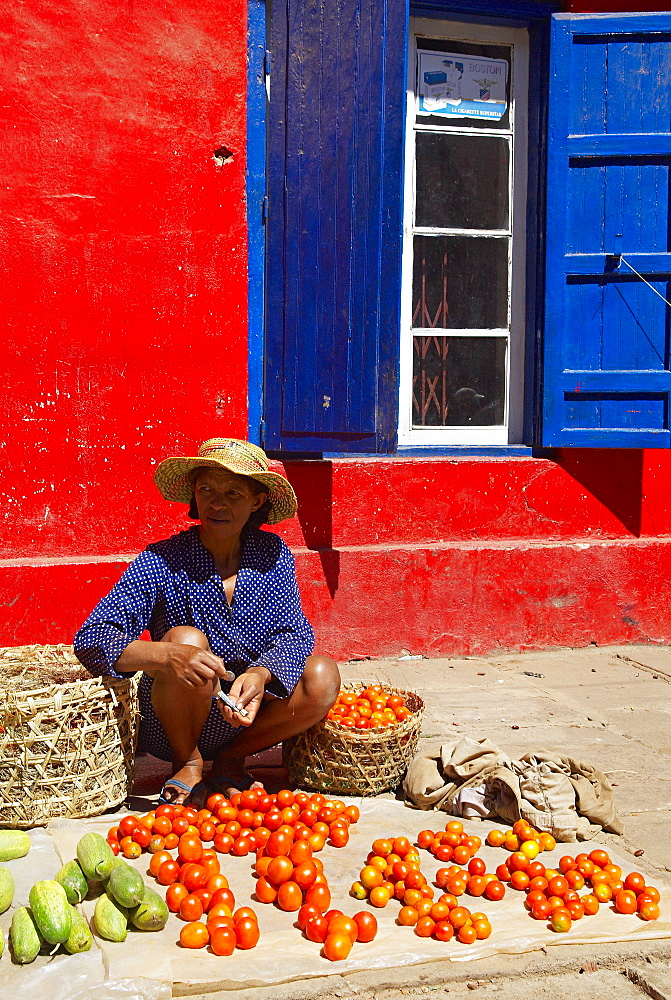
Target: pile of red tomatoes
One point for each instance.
(392, 870)
(554, 894)
(237, 826)
(272, 826)
(371, 708)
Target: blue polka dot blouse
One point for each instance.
(175, 582)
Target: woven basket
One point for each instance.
(331, 758)
(66, 748)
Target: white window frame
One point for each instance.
(511, 432)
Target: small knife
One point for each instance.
(232, 704)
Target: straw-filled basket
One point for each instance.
(331, 758)
(67, 741)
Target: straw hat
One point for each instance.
(245, 459)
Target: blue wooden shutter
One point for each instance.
(606, 377)
(335, 158)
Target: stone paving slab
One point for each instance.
(610, 707)
(654, 979)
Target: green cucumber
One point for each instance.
(73, 880)
(6, 889)
(80, 938)
(24, 936)
(151, 914)
(51, 911)
(95, 856)
(13, 844)
(126, 885)
(111, 920)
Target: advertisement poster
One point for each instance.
(451, 83)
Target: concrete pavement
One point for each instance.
(609, 706)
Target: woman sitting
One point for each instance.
(221, 604)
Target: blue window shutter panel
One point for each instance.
(336, 128)
(606, 378)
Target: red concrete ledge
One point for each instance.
(444, 599)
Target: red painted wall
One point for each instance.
(123, 253)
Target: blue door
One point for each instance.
(335, 156)
(606, 377)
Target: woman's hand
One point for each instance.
(194, 667)
(247, 690)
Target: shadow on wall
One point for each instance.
(613, 476)
(313, 484)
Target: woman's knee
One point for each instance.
(320, 681)
(187, 635)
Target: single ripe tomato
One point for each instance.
(459, 916)
(190, 848)
(191, 908)
(341, 924)
(635, 882)
(319, 895)
(157, 860)
(366, 926)
(625, 901)
(278, 843)
(482, 928)
(142, 835)
(194, 935)
(222, 940)
(166, 810)
(280, 870)
(246, 933)
(560, 920)
(265, 890)
(168, 873)
(337, 947)
(541, 910)
(194, 876)
(425, 926)
(242, 847)
(590, 904)
(127, 825)
(443, 931)
(647, 909)
(174, 895)
(494, 890)
(520, 880)
(558, 886)
(316, 928)
(339, 835)
(180, 825)
(306, 913)
(305, 873)
(289, 897)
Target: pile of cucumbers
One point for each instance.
(52, 919)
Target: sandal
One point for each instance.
(180, 786)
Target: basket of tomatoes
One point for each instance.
(363, 746)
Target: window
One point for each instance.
(463, 301)
(373, 280)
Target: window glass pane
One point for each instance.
(460, 282)
(458, 381)
(462, 181)
(468, 49)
